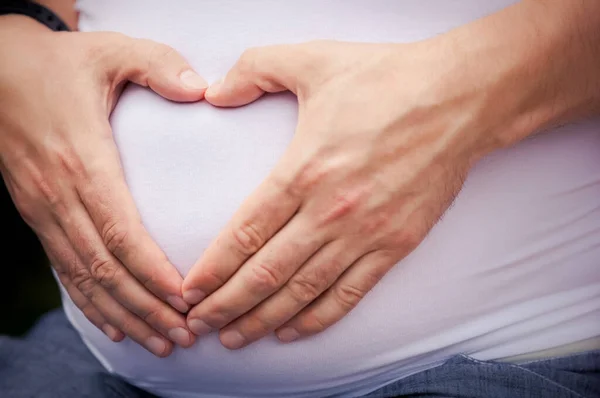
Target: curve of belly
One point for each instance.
(513, 259)
(511, 268)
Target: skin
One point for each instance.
(65, 9)
(62, 169)
(386, 135)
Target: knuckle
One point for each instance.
(311, 323)
(311, 174)
(256, 325)
(304, 288)
(104, 272)
(375, 223)
(348, 296)
(343, 204)
(75, 271)
(150, 279)
(213, 278)
(128, 324)
(247, 238)
(152, 316)
(265, 278)
(82, 280)
(406, 239)
(374, 275)
(310, 171)
(218, 315)
(49, 194)
(115, 237)
(69, 161)
(285, 184)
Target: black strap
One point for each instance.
(34, 10)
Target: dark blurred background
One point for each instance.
(27, 288)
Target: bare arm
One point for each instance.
(62, 169)
(538, 62)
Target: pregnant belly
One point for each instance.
(511, 268)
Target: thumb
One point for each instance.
(259, 70)
(154, 65)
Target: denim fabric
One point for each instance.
(575, 376)
(52, 361)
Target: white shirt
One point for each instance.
(512, 268)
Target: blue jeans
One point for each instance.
(52, 361)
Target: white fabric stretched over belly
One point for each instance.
(512, 268)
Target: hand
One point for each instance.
(386, 135)
(384, 140)
(62, 168)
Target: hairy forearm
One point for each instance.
(534, 65)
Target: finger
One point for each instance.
(108, 201)
(72, 275)
(340, 298)
(99, 267)
(315, 276)
(267, 69)
(260, 277)
(135, 328)
(71, 269)
(261, 215)
(88, 309)
(153, 65)
(60, 254)
(76, 278)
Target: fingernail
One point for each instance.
(110, 331)
(156, 346)
(180, 336)
(178, 303)
(193, 80)
(214, 88)
(193, 296)
(232, 339)
(287, 335)
(199, 327)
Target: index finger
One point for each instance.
(261, 215)
(108, 201)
